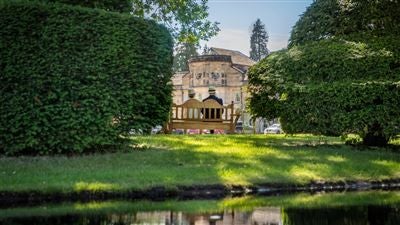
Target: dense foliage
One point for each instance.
(258, 41)
(75, 78)
(341, 73)
(187, 20)
(328, 18)
(332, 87)
(110, 5)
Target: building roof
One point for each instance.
(208, 58)
(237, 57)
(177, 77)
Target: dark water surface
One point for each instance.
(368, 208)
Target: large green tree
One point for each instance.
(186, 19)
(184, 51)
(258, 41)
(338, 76)
(329, 18)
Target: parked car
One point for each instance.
(157, 129)
(239, 127)
(273, 129)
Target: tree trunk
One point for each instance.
(375, 136)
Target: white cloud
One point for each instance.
(231, 39)
(235, 39)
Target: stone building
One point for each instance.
(224, 69)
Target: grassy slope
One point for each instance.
(206, 159)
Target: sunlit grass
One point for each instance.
(94, 187)
(171, 160)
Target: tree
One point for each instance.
(258, 41)
(184, 51)
(186, 19)
(329, 18)
(339, 75)
(206, 50)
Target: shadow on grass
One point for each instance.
(172, 160)
(253, 159)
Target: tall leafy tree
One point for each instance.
(184, 51)
(206, 50)
(328, 18)
(339, 75)
(258, 41)
(186, 19)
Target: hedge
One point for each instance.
(350, 58)
(343, 108)
(76, 79)
(348, 84)
(109, 5)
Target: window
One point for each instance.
(223, 82)
(237, 97)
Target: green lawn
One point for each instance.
(171, 160)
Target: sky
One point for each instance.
(237, 16)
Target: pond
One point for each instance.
(357, 208)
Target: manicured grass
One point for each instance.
(170, 160)
(248, 203)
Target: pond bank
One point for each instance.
(217, 191)
(204, 166)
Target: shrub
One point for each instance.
(110, 5)
(75, 78)
(367, 109)
(336, 86)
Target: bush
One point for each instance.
(76, 78)
(367, 109)
(110, 5)
(337, 86)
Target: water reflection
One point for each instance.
(357, 215)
